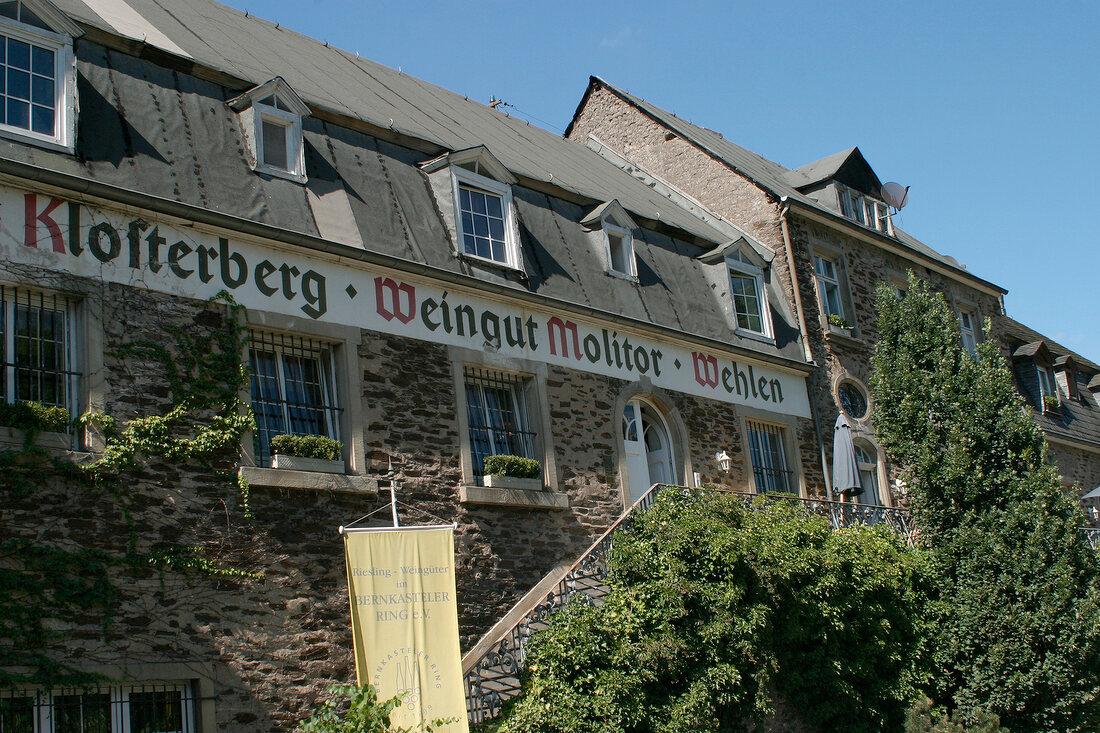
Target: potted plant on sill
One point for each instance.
(33, 418)
(513, 472)
(307, 453)
(837, 324)
(1051, 403)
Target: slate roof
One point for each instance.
(819, 170)
(148, 124)
(766, 173)
(1077, 420)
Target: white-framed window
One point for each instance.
(271, 115)
(278, 138)
(747, 290)
(37, 75)
(827, 271)
(620, 252)
(867, 461)
(143, 708)
(294, 389)
(485, 218)
(497, 416)
(865, 210)
(37, 348)
(1046, 384)
(967, 332)
(768, 454)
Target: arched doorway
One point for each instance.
(647, 446)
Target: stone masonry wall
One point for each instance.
(272, 645)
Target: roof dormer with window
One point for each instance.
(746, 269)
(38, 91)
(271, 116)
(480, 187)
(617, 230)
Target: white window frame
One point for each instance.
(12, 297)
(465, 178)
(281, 345)
(291, 123)
(824, 281)
(64, 137)
(867, 462)
(864, 210)
(967, 331)
(626, 239)
(784, 454)
(1047, 386)
(736, 264)
(119, 711)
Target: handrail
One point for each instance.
(492, 668)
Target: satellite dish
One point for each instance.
(895, 195)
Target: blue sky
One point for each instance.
(988, 110)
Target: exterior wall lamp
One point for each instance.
(723, 459)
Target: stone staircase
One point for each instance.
(492, 668)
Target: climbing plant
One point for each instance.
(47, 580)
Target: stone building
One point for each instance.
(425, 279)
(828, 223)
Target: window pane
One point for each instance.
(769, 458)
(275, 145)
(88, 713)
(18, 114)
(40, 358)
(42, 90)
(10, 9)
(17, 714)
(156, 712)
(496, 417)
(19, 84)
(19, 54)
(42, 61)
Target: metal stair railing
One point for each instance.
(492, 668)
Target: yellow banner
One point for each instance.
(404, 621)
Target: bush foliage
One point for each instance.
(351, 709)
(515, 466)
(717, 611)
(34, 417)
(308, 446)
(1015, 595)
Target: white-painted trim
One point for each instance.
(627, 239)
(64, 137)
(463, 177)
(757, 274)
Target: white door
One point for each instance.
(648, 450)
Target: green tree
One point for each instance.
(1015, 593)
(718, 613)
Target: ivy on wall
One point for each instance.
(47, 580)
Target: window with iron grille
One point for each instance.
(147, 708)
(768, 453)
(36, 348)
(496, 411)
(293, 389)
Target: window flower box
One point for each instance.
(298, 463)
(513, 482)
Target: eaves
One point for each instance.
(892, 246)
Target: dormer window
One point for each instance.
(37, 74)
(1046, 384)
(748, 293)
(485, 219)
(271, 115)
(966, 331)
(864, 210)
(618, 238)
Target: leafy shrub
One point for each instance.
(1050, 402)
(921, 718)
(34, 416)
(835, 319)
(307, 446)
(351, 709)
(514, 466)
(717, 612)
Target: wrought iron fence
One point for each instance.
(492, 677)
(164, 707)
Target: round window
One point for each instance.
(852, 400)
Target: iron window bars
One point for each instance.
(148, 708)
(293, 389)
(769, 458)
(496, 409)
(36, 348)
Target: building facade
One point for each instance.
(834, 242)
(415, 275)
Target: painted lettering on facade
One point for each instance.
(144, 252)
